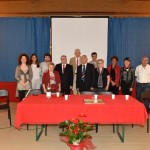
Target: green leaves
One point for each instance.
(76, 130)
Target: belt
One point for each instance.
(143, 83)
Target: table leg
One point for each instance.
(121, 136)
(40, 133)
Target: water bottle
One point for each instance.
(48, 92)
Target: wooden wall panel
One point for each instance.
(74, 7)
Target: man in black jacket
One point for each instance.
(85, 76)
(66, 74)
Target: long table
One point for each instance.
(40, 110)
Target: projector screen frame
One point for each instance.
(75, 16)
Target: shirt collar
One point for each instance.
(63, 64)
(84, 64)
(145, 66)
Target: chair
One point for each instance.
(87, 93)
(55, 93)
(104, 93)
(5, 105)
(33, 92)
(146, 95)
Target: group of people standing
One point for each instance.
(80, 75)
(124, 78)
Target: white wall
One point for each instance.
(87, 34)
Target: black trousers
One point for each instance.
(99, 90)
(65, 90)
(83, 87)
(114, 89)
(22, 94)
(125, 88)
(141, 87)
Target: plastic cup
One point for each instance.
(95, 97)
(57, 94)
(48, 95)
(126, 97)
(113, 96)
(66, 97)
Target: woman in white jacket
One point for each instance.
(36, 80)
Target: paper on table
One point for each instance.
(91, 101)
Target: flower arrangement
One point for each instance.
(75, 132)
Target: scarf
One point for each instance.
(126, 68)
(25, 75)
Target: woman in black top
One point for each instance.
(127, 77)
(102, 77)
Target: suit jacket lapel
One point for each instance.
(61, 68)
(87, 66)
(66, 67)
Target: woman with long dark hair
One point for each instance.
(114, 71)
(23, 75)
(36, 80)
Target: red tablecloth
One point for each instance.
(40, 110)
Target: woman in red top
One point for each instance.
(52, 78)
(114, 71)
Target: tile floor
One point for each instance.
(136, 138)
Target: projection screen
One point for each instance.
(87, 34)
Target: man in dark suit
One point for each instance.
(66, 74)
(85, 76)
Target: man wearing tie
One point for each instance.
(66, 74)
(85, 76)
(75, 62)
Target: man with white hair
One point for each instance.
(66, 74)
(85, 76)
(142, 74)
(75, 62)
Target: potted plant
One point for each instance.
(75, 134)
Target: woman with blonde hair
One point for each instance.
(102, 77)
(51, 78)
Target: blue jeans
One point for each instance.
(140, 87)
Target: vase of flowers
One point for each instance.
(75, 134)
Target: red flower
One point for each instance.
(73, 120)
(82, 115)
(85, 124)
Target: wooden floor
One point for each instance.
(12, 139)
